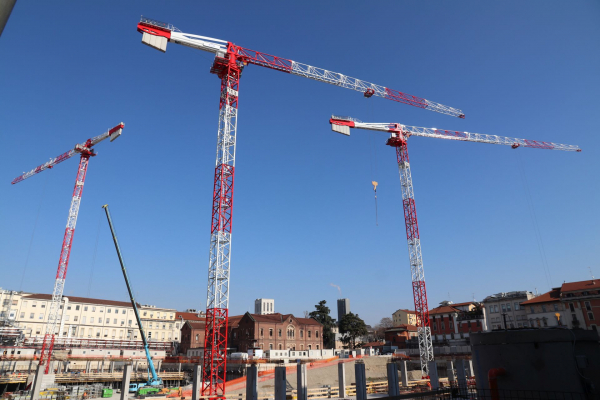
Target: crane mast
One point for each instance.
(229, 61)
(153, 379)
(85, 150)
(398, 139)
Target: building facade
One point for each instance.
(404, 317)
(506, 305)
(192, 336)
(547, 310)
(87, 318)
(582, 302)
(275, 332)
(343, 308)
(452, 321)
(264, 306)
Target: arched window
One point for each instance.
(280, 346)
(290, 332)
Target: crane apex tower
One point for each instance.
(343, 307)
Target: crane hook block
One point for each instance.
(369, 92)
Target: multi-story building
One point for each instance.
(399, 335)
(547, 310)
(404, 317)
(582, 300)
(343, 308)
(91, 318)
(456, 321)
(192, 336)
(275, 332)
(264, 306)
(506, 305)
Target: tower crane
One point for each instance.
(398, 138)
(229, 61)
(85, 151)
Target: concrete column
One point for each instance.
(450, 368)
(37, 382)
(461, 376)
(158, 367)
(196, 382)
(361, 381)
(251, 382)
(126, 379)
(136, 366)
(301, 382)
(111, 367)
(392, 378)
(342, 380)
(30, 365)
(433, 375)
(404, 371)
(280, 383)
(102, 366)
(87, 367)
(179, 367)
(470, 369)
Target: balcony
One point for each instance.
(469, 316)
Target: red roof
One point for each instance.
(403, 327)
(593, 284)
(468, 303)
(188, 316)
(407, 311)
(551, 296)
(444, 310)
(196, 325)
(86, 300)
(278, 318)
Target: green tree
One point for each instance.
(352, 327)
(321, 315)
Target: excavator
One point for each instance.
(154, 385)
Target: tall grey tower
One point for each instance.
(264, 306)
(343, 308)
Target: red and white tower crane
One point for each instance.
(85, 151)
(399, 134)
(229, 61)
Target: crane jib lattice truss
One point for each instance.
(399, 135)
(229, 61)
(85, 151)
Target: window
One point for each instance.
(85, 308)
(25, 304)
(122, 322)
(31, 316)
(91, 320)
(76, 308)
(555, 307)
(301, 333)
(588, 306)
(270, 332)
(108, 310)
(149, 335)
(83, 320)
(571, 307)
(145, 313)
(164, 326)
(543, 308)
(150, 325)
(279, 334)
(261, 332)
(508, 307)
(316, 334)
(99, 320)
(34, 304)
(68, 307)
(504, 308)
(123, 312)
(41, 316)
(101, 309)
(280, 347)
(531, 309)
(517, 307)
(308, 334)
(93, 309)
(451, 325)
(434, 327)
(442, 326)
(129, 323)
(496, 308)
(591, 316)
(545, 322)
(75, 318)
(115, 321)
(317, 347)
(22, 315)
(43, 305)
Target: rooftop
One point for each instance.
(551, 296)
(593, 284)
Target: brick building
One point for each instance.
(456, 321)
(192, 336)
(275, 332)
(399, 335)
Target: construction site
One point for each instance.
(57, 344)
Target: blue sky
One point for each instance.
(304, 208)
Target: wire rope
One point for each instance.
(536, 227)
(89, 289)
(33, 232)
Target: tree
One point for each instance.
(381, 327)
(352, 327)
(321, 315)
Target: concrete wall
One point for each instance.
(538, 359)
